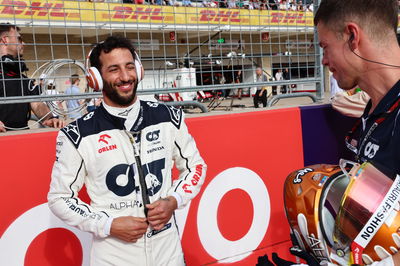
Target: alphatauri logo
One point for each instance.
(371, 150)
(153, 136)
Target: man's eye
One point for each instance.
(113, 69)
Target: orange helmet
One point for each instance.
(344, 217)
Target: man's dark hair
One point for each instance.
(377, 17)
(107, 46)
(74, 78)
(6, 27)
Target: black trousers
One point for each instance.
(263, 98)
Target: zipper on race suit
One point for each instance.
(142, 180)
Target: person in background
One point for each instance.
(92, 104)
(360, 48)
(300, 6)
(13, 82)
(223, 4)
(279, 77)
(232, 4)
(335, 89)
(51, 90)
(274, 87)
(283, 5)
(40, 86)
(186, 3)
(261, 93)
(238, 78)
(286, 76)
(73, 105)
(273, 4)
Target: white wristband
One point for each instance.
(107, 226)
(178, 198)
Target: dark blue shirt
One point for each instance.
(383, 144)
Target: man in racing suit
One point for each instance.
(113, 151)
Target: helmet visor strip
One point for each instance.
(367, 202)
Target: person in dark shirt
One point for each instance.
(368, 55)
(361, 48)
(238, 78)
(14, 83)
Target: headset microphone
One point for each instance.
(351, 38)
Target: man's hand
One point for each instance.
(128, 228)
(161, 211)
(2, 128)
(54, 122)
(261, 93)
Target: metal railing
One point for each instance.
(183, 49)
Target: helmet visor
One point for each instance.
(367, 188)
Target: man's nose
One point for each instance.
(126, 75)
(325, 60)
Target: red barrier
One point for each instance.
(237, 217)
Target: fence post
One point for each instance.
(319, 68)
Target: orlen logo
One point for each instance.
(222, 16)
(41, 9)
(103, 138)
(195, 179)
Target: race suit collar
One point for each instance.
(129, 114)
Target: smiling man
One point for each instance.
(360, 48)
(124, 152)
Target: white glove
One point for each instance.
(385, 262)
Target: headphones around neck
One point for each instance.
(93, 76)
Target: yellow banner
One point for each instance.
(74, 11)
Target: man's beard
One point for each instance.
(114, 96)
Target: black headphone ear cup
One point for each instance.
(94, 79)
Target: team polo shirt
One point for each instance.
(383, 144)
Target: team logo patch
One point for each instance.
(176, 115)
(154, 232)
(153, 176)
(371, 150)
(88, 116)
(126, 112)
(152, 104)
(153, 136)
(103, 138)
(300, 173)
(72, 131)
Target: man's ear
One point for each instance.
(352, 33)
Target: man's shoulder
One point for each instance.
(90, 124)
(155, 113)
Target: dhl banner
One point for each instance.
(74, 11)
